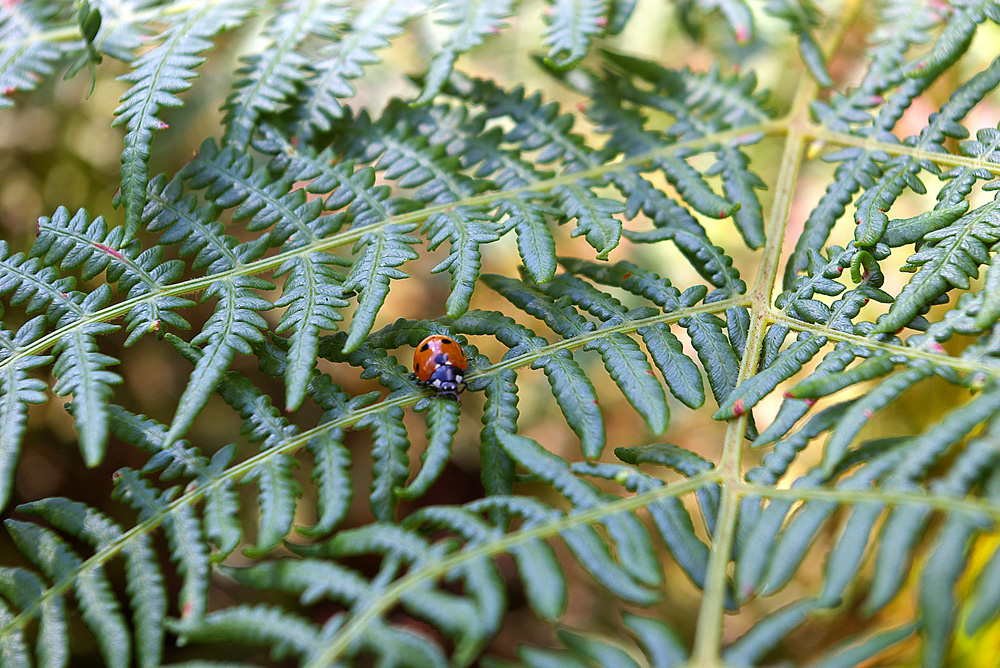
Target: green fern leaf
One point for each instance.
(157, 76)
(442, 424)
(594, 215)
(262, 423)
(145, 589)
(311, 579)
(525, 211)
(306, 204)
(288, 634)
(955, 39)
(859, 653)
(598, 652)
(184, 532)
(572, 26)
(25, 589)
(765, 635)
(657, 639)
(681, 374)
(383, 251)
(948, 259)
(278, 493)
(631, 539)
(270, 79)
(230, 330)
(24, 62)
(222, 524)
(17, 391)
(572, 389)
(332, 474)
(624, 360)
(14, 650)
(466, 230)
(473, 22)
(500, 414)
(802, 18)
(736, 13)
(98, 606)
(77, 243)
(857, 415)
(80, 370)
(312, 295)
(79, 367)
(545, 586)
(371, 28)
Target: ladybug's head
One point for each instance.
(448, 380)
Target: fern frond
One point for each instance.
(17, 391)
(624, 360)
(948, 258)
(157, 76)
(184, 531)
(80, 368)
(78, 243)
(332, 473)
(177, 458)
(233, 327)
(472, 22)
(311, 290)
(572, 26)
(278, 491)
(390, 444)
(802, 18)
(849, 113)
(370, 29)
(25, 61)
(288, 634)
(270, 79)
(319, 210)
(99, 608)
(145, 589)
(701, 104)
(706, 330)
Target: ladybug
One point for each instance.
(440, 363)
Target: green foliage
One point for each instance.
(807, 508)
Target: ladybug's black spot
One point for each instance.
(446, 341)
(440, 358)
(424, 347)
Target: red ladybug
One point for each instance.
(440, 363)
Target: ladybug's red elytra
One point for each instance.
(440, 363)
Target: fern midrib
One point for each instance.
(707, 648)
(819, 133)
(913, 352)
(708, 633)
(115, 253)
(939, 501)
(47, 287)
